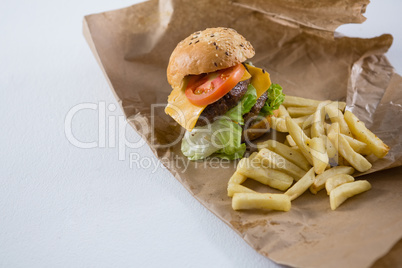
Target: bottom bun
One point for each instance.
(258, 129)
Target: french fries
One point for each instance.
(332, 151)
(278, 124)
(317, 128)
(345, 150)
(358, 146)
(282, 111)
(309, 121)
(319, 152)
(337, 180)
(299, 138)
(301, 186)
(300, 111)
(261, 201)
(234, 188)
(360, 131)
(278, 162)
(290, 154)
(298, 101)
(336, 116)
(271, 177)
(291, 141)
(303, 120)
(237, 178)
(320, 180)
(341, 105)
(347, 190)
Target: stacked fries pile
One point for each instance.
(324, 147)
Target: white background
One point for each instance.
(63, 206)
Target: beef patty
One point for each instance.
(224, 104)
(255, 110)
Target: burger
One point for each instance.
(218, 96)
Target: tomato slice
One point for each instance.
(205, 89)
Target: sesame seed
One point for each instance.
(197, 41)
(212, 35)
(217, 47)
(216, 55)
(190, 43)
(214, 43)
(241, 45)
(215, 64)
(227, 54)
(263, 71)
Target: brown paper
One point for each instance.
(294, 41)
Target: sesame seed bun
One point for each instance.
(207, 51)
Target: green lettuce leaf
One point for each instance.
(275, 99)
(222, 137)
(244, 106)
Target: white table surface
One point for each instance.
(63, 206)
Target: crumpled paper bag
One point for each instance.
(295, 42)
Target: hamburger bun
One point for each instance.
(207, 51)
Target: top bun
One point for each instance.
(207, 51)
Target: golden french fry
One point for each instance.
(299, 138)
(345, 150)
(237, 178)
(298, 101)
(282, 111)
(334, 130)
(347, 190)
(337, 180)
(273, 160)
(341, 105)
(290, 154)
(301, 111)
(318, 154)
(278, 124)
(357, 146)
(301, 120)
(317, 129)
(331, 150)
(234, 188)
(271, 177)
(336, 116)
(261, 201)
(319, 181)
(308, 122)
(290, 141)
(301, 186)
(335, 159)
(359, 130)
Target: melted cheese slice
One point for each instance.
(186, 114)
(259, 79)
(181, 109)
